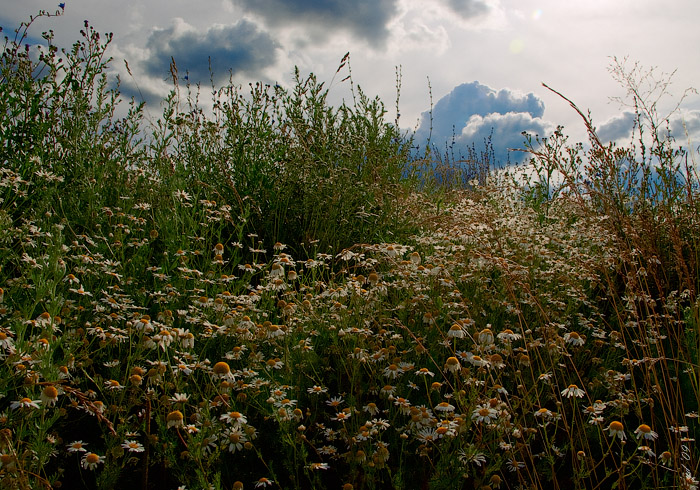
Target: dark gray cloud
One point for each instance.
(129, 89)
(617, 127)
(472, 112)
(367, 19)
(686, 125)
(468, 9)
(236, 48)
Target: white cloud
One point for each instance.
(473, 113)
(504, 131)
(410, 36)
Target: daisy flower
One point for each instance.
(388, 390)
(179, 398)
(425, 372)
(617, 429)
(452, 365)
(666, 458)
(91, 460)
(444, 407)
(475, 458)
(49, 395)
(456, 331)
(508, 336)
(649, 452)
(476, 361)
(263, 482)
(484, 414)
(573, 338)
(392, 371)
(335, 401)
(427, 434)
(113, 384)
(514, 465)
(234, 418)
(182, 195)
(316, 390)
(415, 258)
(25, 403)
(175, 419)
(235, 439)
(485, 337)
(645, 432)
(221, 370)
(371, 408)
(133, 446)
(76, 447)
(573, 390)
(6, 341)
(544, 413)
(341, 416)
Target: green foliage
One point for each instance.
(302, 170)
(61, 141)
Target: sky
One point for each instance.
(482, 63)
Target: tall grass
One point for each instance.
(264, 295)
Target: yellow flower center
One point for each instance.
(92, 458)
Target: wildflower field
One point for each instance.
(274, 292)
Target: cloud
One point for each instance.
(683, 126)
(617, 127)
(236, 48)
(468, 9)
(152, 94)
(366, 19)
(473, 113)
(505, 132)
(686, 125)
(417, 36)
(473, 98)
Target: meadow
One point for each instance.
(278, 293)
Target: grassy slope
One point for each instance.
(269, 293)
